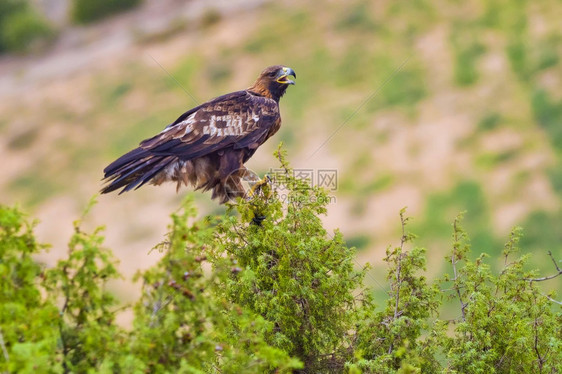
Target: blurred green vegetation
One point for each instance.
(489, 122)
(548, 114)
(407, 88)
(21, 26)
(32, 189)
(467, 196)
(467, 50)
(491, 160)
(86, 11)
(539, 234)
(357, 16)
(359, 242)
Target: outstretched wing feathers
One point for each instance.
(239, 119)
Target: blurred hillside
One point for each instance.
(434, 105)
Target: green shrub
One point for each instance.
(466, 59)
(467, 50)
(406, 88)
(489, 122)
(357, 16)
(548, 114)
(294, 274)
(441, 208)
(21, 27)
(86, 11)
(265, 288)
(507, 324)
(27, 320)
(391, 339)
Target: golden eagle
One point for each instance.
(207, 146)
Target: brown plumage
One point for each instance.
(207, 146)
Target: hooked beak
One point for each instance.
(284, 74)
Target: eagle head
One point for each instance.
(273, 81)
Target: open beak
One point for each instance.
(284, 74)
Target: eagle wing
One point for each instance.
(238, 120)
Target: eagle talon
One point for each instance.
(258, 185)
(258, 219)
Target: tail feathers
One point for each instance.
(146, 177)
(139, 167)
(133, 170)
(132, 156)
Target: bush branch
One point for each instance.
(4, 350)
(454, 264)
(559, 271)
(551, 299)
(403, 240)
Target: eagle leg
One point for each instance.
(257, 186)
